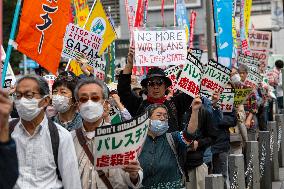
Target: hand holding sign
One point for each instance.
(196, 103)
(132, 168)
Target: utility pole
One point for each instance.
(209, 28)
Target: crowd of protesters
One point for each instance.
(49, 143)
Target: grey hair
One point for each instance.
(41, 82)
(243, 68)
(87, 81)
(153, 107)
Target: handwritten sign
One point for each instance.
(253, 79)
(50, 80)
(99, 68)
(241, 95)
(78, 42)
(173, 73)
(227, 100)
(116, 145)
(160, 47)
(215, 78)
(190, 78)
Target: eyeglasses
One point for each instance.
(27, 95)
(85, 99)
(158, 82)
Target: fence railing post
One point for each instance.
(214, 181)
(274, 150)
(264, 160)
(252, 165)
(280, 125)
(236, 171)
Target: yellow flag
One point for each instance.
(82, 11)
(248, 4)
(75, 68)
(99, 23)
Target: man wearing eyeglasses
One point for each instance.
(8, 156)
(92, 97)
(155, 84)
(45, 150)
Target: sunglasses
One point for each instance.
(158, 82)
(85, 99)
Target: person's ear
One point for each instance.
(44, 102)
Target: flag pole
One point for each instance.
(69, 61)
(11, 38)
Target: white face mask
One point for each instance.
(91, 111)
(28, 108)
(61, 103)
(236, 78)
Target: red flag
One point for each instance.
(162, 12)
(42, 28)
(139, 14)
(192, 25)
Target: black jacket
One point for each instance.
(177, 106)
(205, 134)
(222, 142)
(8, 165)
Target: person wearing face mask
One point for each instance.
(92, 98)
(64, 102)
(40, 164)
(163, 154)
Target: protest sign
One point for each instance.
(50, 80)
(253, 79)
(114, 115)
(197, 53)
(241, 95)
(10, 78)
(116, 145)
(215, 78)
(227, 100)
(160, 47)
(99, 68)
(173, 73)
(78, 42)
(252, 62)
(190, 78)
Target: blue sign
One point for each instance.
(182, 17)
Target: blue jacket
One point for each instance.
(8, 165)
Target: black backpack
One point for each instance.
(54, 136)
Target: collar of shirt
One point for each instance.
(90, 135)
(39, 129)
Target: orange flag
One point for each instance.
(42, 28)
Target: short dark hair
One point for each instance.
(279, 64)
(153, 107)
(243, 68)
(41, 82)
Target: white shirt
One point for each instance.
(279, 89)
(37, 169)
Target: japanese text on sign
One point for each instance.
(241, 95)
(160, 47)
(197, 53)
(190, 78)
(118, 144)
(50, 80)
(215, 77)
(227, 100)
(78, 42)
(253, 79)
(173, 73)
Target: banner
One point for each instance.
(190, 78)
(99, 24)
(250, 61)
(162, 47)
(214, 78)
(130, 6)
(248, 4)
(223, 27)
(192, 25)
(50, 80)
(243, 36)
(78, 42)
(82, 11)
(42, 28)
(253, 79)
(182, 17)
(241, 96)
(277, 14)
(139, 13)
(116, 145)
(173, 73)
(227, 100)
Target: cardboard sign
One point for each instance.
(190, 78)
(78, 42)
(253, 79)
(215, 78)
(227, 100)
(116, 145)
(241, 95)
(173, 73)
(197, 53)
(50, 80)
(160, 47)
(252, 62)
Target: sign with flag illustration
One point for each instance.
(42, 20)
(99, 24)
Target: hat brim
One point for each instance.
(166, 79)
